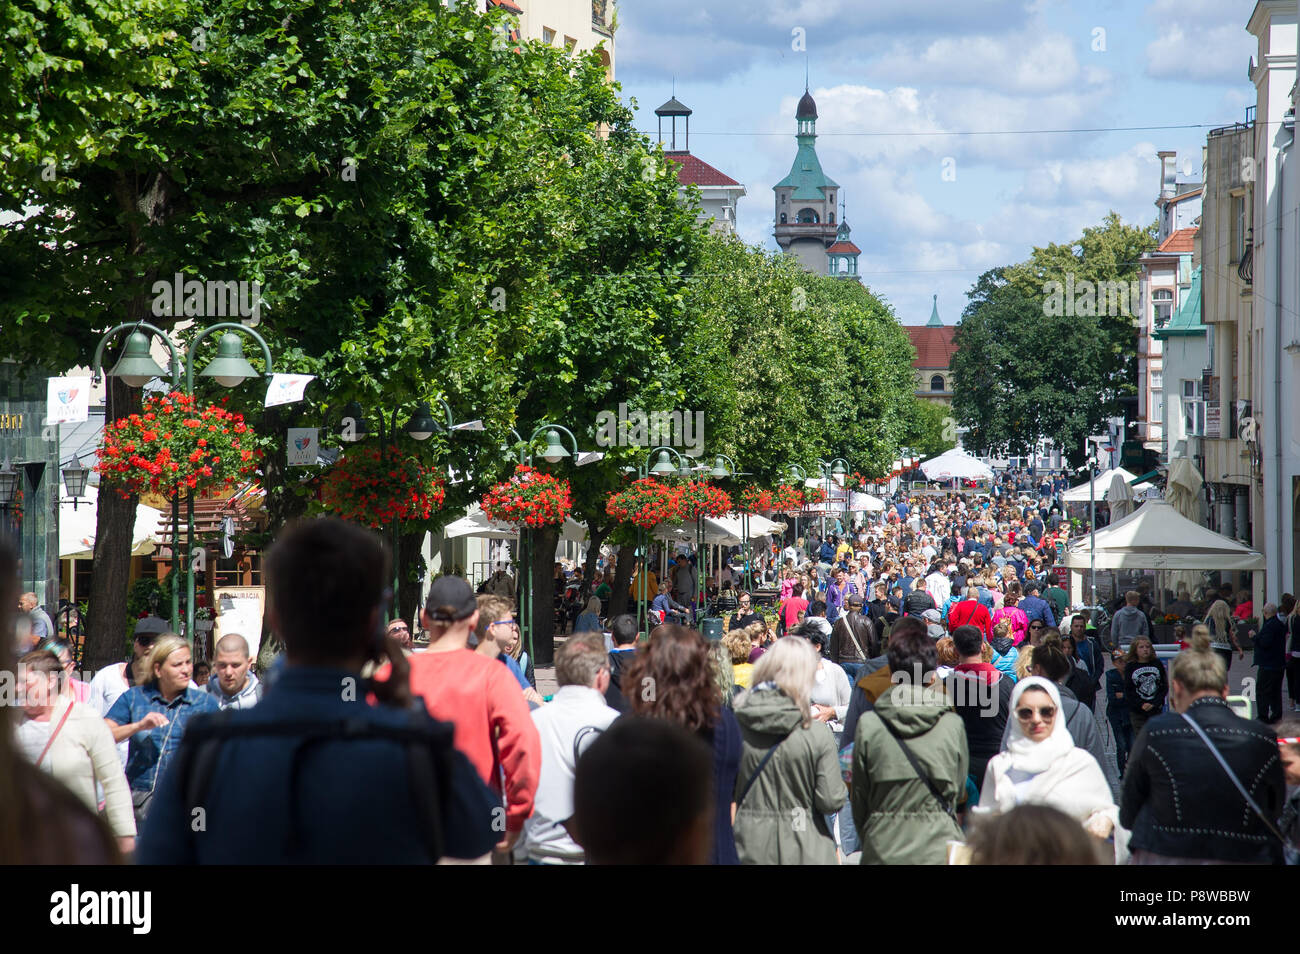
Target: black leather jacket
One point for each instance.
(1178, 801)
(843, 648)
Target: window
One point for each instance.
(807, 216)
(1162, 303)
(1194, 418)
(1157, 380)
(783, 198)
(1238, 247)
(570, 43)
(936, 383)
(548, 36)
(1190, 389)
(831, 218)
(834, 265)
(783, 218)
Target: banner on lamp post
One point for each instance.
(67, 400)
(303, 445)
(286, 388)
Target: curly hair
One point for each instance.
(672, 678)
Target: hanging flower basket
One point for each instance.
(698, 498)
(377, 490)
(646, 504)
(530, 498)
(814, 495)
(755, 498)
(786, 497)
(174, 446)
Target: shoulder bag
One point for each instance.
(1254, 805)
(948, 807)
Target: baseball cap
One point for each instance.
(450, 600)
(854, 599)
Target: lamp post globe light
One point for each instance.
(229, 369)
(664, 466)
(554, 452)
(74, 479)
(135, 369)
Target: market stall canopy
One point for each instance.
(476, 524)
(865, 503)
(77, 527)
(956, 465)
(727, 530)
(1120, 497)
(1079, 494)
(1156, 536)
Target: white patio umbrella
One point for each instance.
(956, 465)
(1120, 497)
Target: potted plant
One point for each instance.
(203, 621)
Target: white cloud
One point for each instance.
(1202, 41)
(1028, 61)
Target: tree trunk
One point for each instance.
(410, 574)
(596, 534)
(622, 579)
(114, 527)
(543, 545)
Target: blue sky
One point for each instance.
(940, 68)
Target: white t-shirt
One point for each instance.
(33, 736)
(105, 687)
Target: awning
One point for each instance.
(77, 527)
(1157, 537)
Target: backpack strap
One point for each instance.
(948, 807)
(758, 771)
(1254, 805)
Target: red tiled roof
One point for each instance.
(1180, 241)
(842, 248)
(512, 7)
(934, 347)
(692, 170)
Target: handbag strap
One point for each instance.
(758, 771)
(1235, 781)
(948, 808)
(55, 734)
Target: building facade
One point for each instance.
(805, 200)
(1165, 275)
(1274, 429)
(1226, 257)
(718, 193)
(575, 25)
(934, 346)
(31, 478)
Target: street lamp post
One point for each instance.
(420, 426)
(800, 475)
(229, 368)
(136, 368)
(554, 452)
(1092, 525)
(830, 468)
(663, 467)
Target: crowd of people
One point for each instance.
(917, 691)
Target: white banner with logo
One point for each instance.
(303, 444)
(287, 388)
(67, 400)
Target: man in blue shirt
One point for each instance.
(1035, 607)
(313, 774)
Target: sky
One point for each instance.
(991, 95)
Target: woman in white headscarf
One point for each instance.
(1041, 765)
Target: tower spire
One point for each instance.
(935, 321)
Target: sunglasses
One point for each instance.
(1046, 713)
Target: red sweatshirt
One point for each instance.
(481, 698)
(970, 613)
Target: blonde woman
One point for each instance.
(739, 644)
(1223, 633)
(789, 777)
(68, 740)
(153, 717)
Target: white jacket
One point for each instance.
(569, 724)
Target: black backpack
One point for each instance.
(429, 747)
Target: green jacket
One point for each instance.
(898, 819)
(781, 821)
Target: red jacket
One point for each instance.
(494, 730)
(970, 613)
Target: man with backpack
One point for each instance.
(313, 774)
